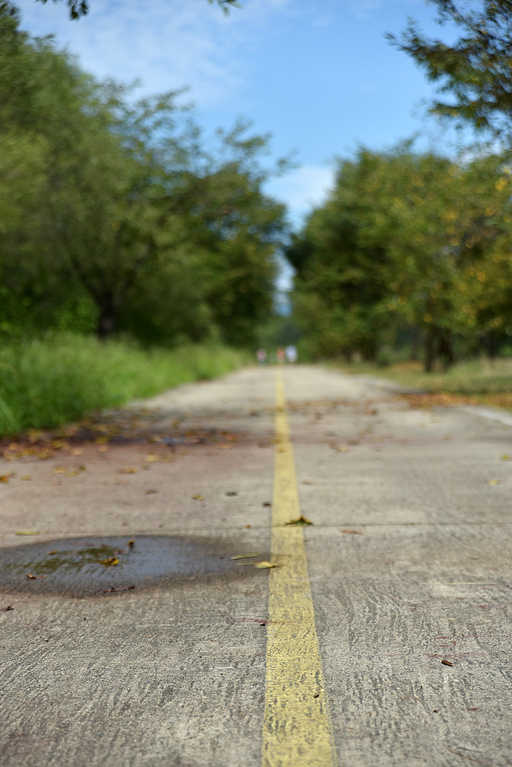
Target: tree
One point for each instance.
(78, 8)
(124, 205)
(476, 69)
(407, 242)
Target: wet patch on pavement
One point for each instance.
(104, 565)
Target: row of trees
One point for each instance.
(417, 246)
(118, 214)
(407, 244)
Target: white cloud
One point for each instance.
(302, 189)
(167, 45)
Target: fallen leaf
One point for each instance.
(151, 458)
(83, 468)
(35, 577)
(73, 473)
(231, 492)
(25, 476)
(60, 469)
(131, 543)
(76, 451)
(110, 562)
(44, 454)
(7, 609)
(446, 662)
(6, 477)
(245, 556)
(27, 532)
(129, 470)
(113, 588)
(505, 457)
(302, 521)
(352, 532)
(103, 449)
(50, 553)
(197, 497)
(149, 492)
(341, 448)
(493, 482)
(264, 565)
(266, 505)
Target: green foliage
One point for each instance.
(50, 381)
(476, 70)
(406, 242)
(121, 208)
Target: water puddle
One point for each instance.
(89, 566)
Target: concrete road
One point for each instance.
(161, 658)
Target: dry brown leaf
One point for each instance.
(110, 562)
(6, 477)
(76, 451)
(265, 565)
(129, 470)
(446, 662)
(197, 497)
(60, 469)
(352, 532)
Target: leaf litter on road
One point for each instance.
(301, 521)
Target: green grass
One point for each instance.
(478, 380)
(49, 382)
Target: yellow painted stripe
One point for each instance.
(297, 730)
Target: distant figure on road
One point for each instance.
(261, 354)
(291, 353)
(281, 354)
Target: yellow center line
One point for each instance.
(297, 729)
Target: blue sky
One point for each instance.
(319, 76)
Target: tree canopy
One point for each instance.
(476, 70)
(118, 214)
(407, 246)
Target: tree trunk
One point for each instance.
(430, 350)
(107, 321)
(488, 341)
(446, 349)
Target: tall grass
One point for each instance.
(48, 382)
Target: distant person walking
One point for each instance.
(281, 354)
(291, 353)
(261, 355)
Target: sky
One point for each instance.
(318, 76)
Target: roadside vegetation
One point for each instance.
(136, 253)
(412, 250)
(52, 381)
